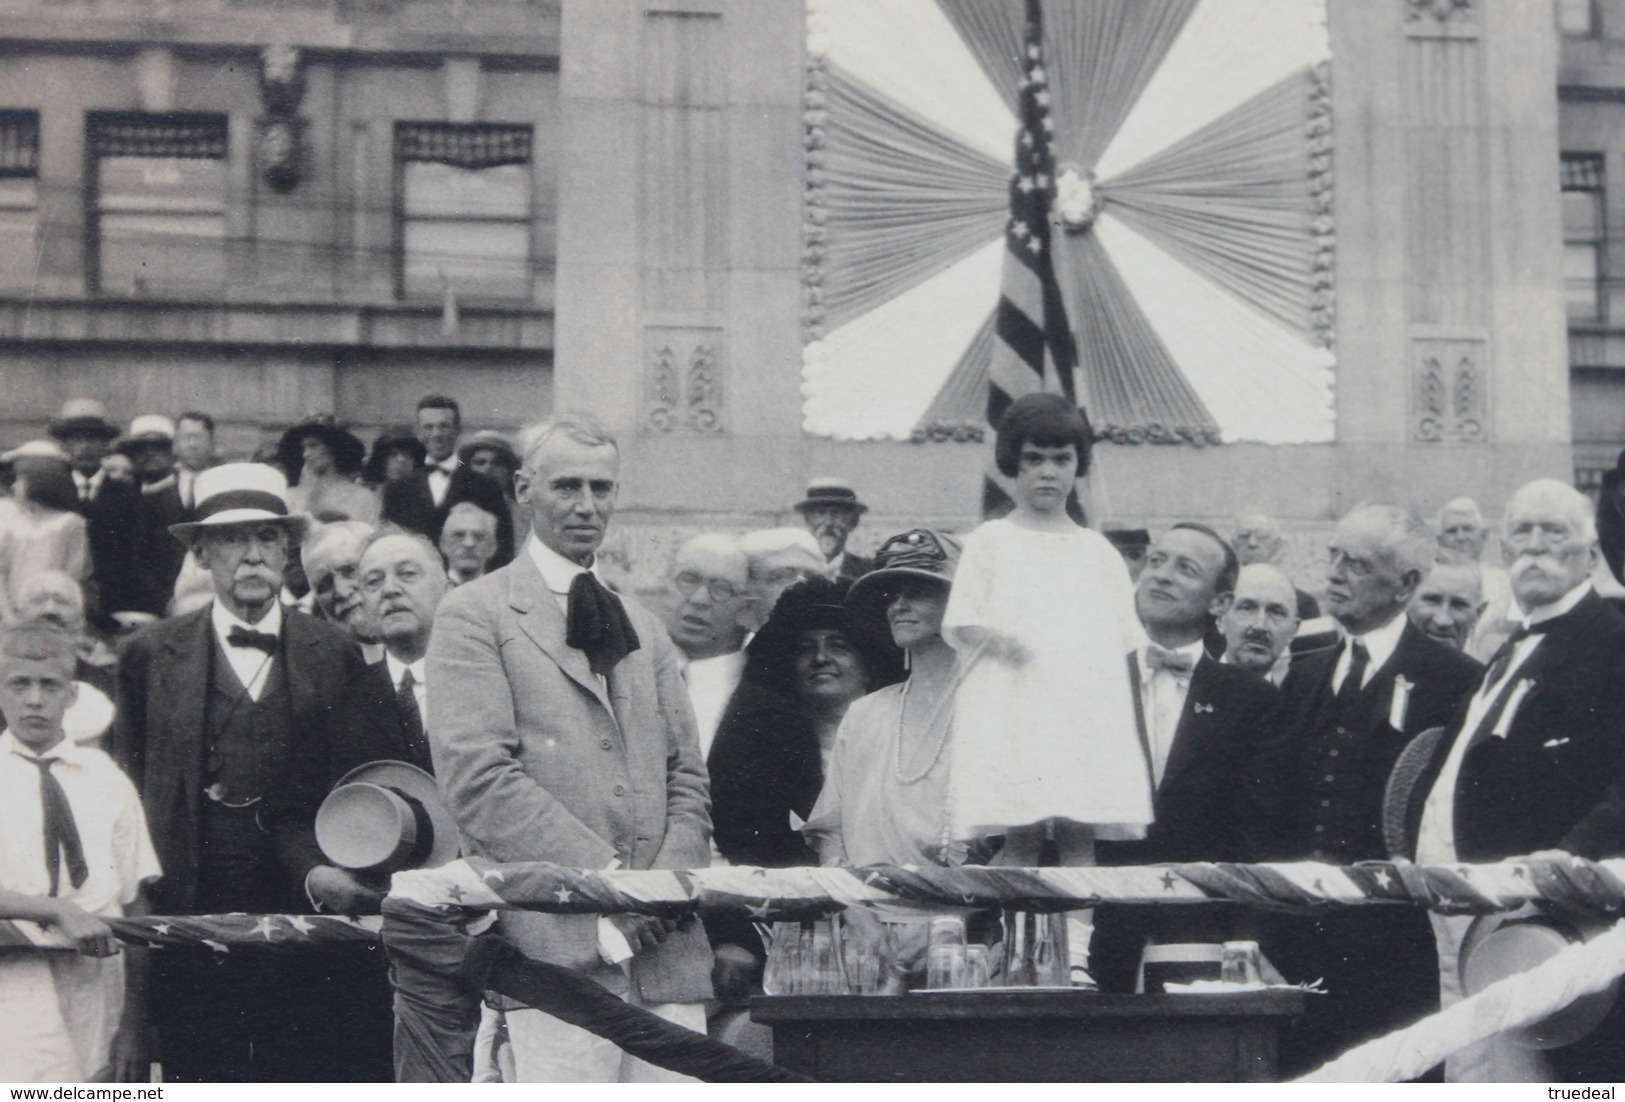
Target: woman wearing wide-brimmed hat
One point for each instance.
(322, 460)
(396, 454)
(40, 528)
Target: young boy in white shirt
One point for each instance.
(73, 848)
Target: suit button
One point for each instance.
(1319, 829)
(1325, 803)
(1330, 778)
(1342, 731)
(620, 790)
(605, 743)
(1334, 753)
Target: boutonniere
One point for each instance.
(1521, 690)
(1200, 708)
(1401, 702)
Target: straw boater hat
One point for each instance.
(386, 816)
(35, 449)
(83, 415)
(240, 493)
(829, 491)
(1500, 945)
(148, 429)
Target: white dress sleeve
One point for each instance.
(970, 601)
(823, 825)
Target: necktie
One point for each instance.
(596, 622)
(1160, 658)
(1354, 680)
(61, 832)
(411, 714)
(1502, 658)
(240, 636)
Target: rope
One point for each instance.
(1516, 1001)
(1573, 885)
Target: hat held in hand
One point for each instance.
(384, 817)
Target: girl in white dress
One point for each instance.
(1042, 612)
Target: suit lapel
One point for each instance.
(187, 656)
(542, 621)
(1191, 727)
(302, 653)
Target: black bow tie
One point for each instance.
(1502, 658)
(240, 636)
(596, 622)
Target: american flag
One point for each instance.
(1033, 348)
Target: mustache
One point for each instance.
(1256, 635)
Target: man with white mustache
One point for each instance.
(1534, 764)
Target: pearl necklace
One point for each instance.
(931, 721)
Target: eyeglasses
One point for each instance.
(1355, 568)
(687, 582)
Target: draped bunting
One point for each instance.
(1203, 126)
(909, 199)
(132, 134)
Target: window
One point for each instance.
(19, 197)
(1576, 18)
(1582, 235)
(465, 200)
(157, 223)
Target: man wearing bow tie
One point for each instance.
(210, 704)
(1345, 715)
(1534, 763)
(1201, 722)
(561, 731)
(422, 502)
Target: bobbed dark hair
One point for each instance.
(1046, 420)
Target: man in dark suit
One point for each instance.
(210, 704)
(1201, 722)
(111, 508)
(170, 500)
(831, 510)
(1345, 715)
(420, 503)
(1535, 764)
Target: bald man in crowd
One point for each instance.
(709, 579)
(1258, 540)
(1259, 624)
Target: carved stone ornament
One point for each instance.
(1443, 11)
(281, 151)
(1448, 393)
(282, 79)
(1077, 199)
(704, 392)
(662, 390)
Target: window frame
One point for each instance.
(494, 136)
(1584, 174)
(209, 131)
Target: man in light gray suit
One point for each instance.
(561, 731)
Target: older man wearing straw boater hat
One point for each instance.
(831, 510)
(209, 706)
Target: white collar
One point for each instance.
(1380, 643)
(396, 666)
(557, 571)
(447, 465)
(67, 750)
(1560, 607)
(224, 621)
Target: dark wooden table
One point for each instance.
(1029, 1036)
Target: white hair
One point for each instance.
(583, 428)
(719, 543)
(1575, 506)
(321, 535)
(1464, 505)
(768, 543)
(1409, 542)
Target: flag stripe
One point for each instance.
(1034, 348)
